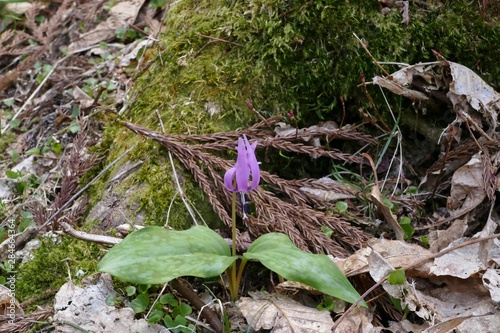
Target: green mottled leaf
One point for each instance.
(14, 123)
(155, 255)
(277, 252)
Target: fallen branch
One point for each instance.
(100, 239)
(206, 312)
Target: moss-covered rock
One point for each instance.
(54, 262)
(281, 55)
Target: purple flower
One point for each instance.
(245, 175)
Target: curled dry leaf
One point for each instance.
(467, 92)
(467, 185)
(132, 51)
(439, 239)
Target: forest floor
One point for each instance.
(58, 89)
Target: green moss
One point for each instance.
(302, 55)
(48, 269)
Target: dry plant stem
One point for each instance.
(387, 128)
(413, 265)
(252, 108)
(176, 178)
(211, 317)
(469, 120)
(371, 56)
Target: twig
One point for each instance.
(413, 265)
(212, 41)
(363, 83)
(207, 313)
(100, 239)
(371, 56)
(252, 108)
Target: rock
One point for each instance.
(85, 308)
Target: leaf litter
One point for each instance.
(459, 289)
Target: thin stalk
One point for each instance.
(233, 226)
(240, 271)
(233, 285)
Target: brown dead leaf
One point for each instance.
(406, 293)
(440, 239)
(81, 97)
(399, 89)
(358, 321)
(447, 325)
(470, 260)
(132, 51)
(407, 326)
(461, 263)
(281, 314)
(346, 192)
(397, 253)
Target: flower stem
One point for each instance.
(234, 224)
(231, 276)
(240, 271)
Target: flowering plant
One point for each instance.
(155, 255)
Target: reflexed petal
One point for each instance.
(229, 179)
(253, 165)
